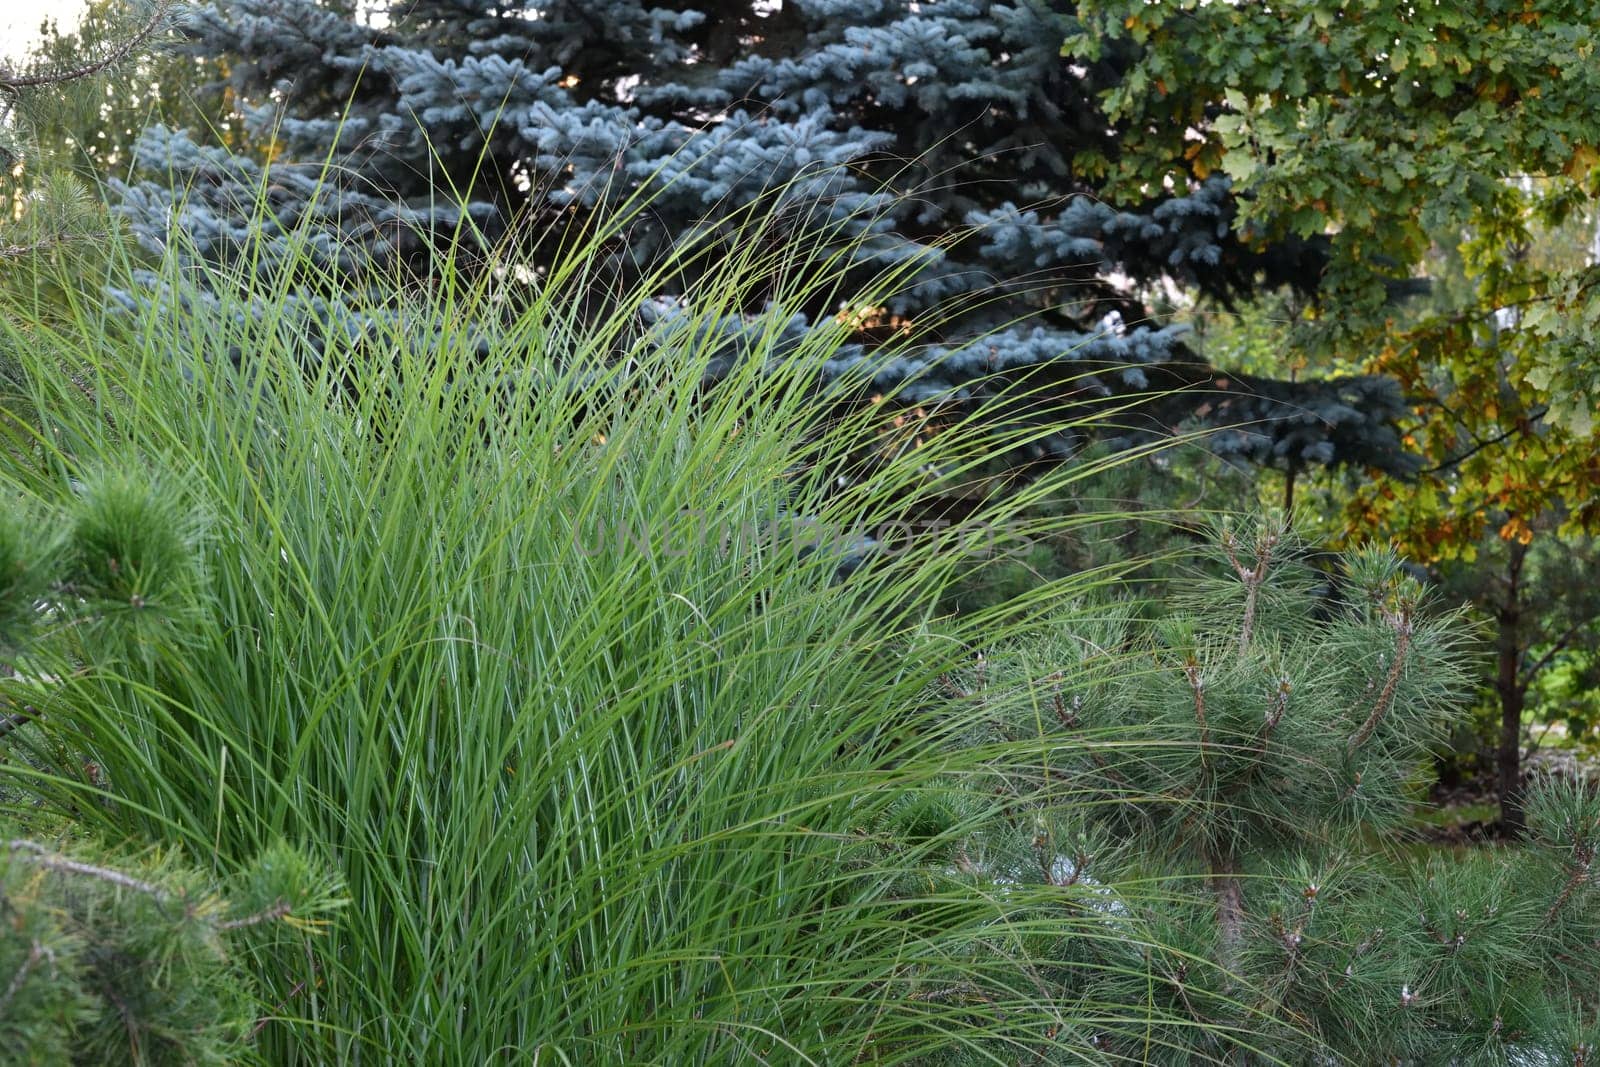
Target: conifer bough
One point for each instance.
(948, 134)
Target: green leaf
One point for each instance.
(1539, 318)
(1240, 164)
(1581, 421)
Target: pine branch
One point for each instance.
(1579, 878)
(277, 911)
(31, 852)
(1252, 577)
(1400, 621)
(1230, 911)
(1275, 712)
(1069, 720)
(1197, 683)
(17, 251)
(1179, 980)
(11, 80)
(42, 857)
(36, 954)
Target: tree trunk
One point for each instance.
(1513, 696)
(1230, 911)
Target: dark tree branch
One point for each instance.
(13, 721)
(1533, 417)
(1530, 671)
(11, 80)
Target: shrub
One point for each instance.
(103, 964)
(1249, 760)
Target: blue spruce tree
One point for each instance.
(948, 137)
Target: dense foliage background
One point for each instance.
(367, 365)
(951, 136)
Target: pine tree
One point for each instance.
(105, 957)
(61, 88)
(112, 961)
(947, 138)
(89, 127)
(1248, 759)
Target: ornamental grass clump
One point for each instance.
(480, 586)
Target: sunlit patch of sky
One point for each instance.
(20, 21)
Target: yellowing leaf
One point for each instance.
(1516, 530)
(1582, 162)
